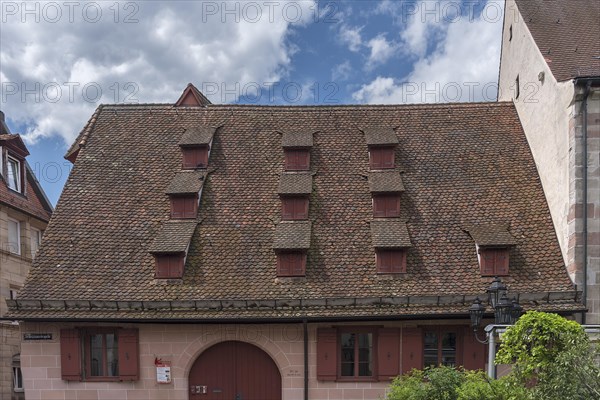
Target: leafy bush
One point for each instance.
(445, 383)
(552, 355)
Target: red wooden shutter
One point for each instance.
(283, 264)
(375, 157)
(287, 208)
(412, 349)
(383, 261)
(382, 157)
(190, 207)
(195, 157)
(379, 206)
(299, 264)
(393, 206)
(176, 207)
(388, 353)
(388, 158)
(70, 354)
(161, 266)
(502, 262)
(301, 208)
(326, 354)
(128, 355)
(473, 351)
(297, 159)
(488, 262)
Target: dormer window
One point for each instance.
(390, 261)
(493, 243)
(494, 261)
(294, 208)
(291, 263)
(184, 207)
(297, 159)
(169, 266)
(386, 205)
(195, 157)
(382, 157)
(14, 174)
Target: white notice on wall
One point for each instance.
(163, 373)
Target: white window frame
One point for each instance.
(17, 383)
(36, 237)
(10, 247)
(18, 173)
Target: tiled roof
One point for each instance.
(186, 182)
(292, 235)
(566, 32)
(173, 237)
(292, 183)
(385, 181)
(197, 136)
(378, 135)
(390, 232)
(297, 139)
(491, 235)
(464, 164)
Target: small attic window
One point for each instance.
(382, 157)
(291, 263)
(494, 261)
(14, 174)
(169, 266)
(297, 159)
(386, 205)
(184, 207)
(294, 208)
(195, 157)
(390, 261)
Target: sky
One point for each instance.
(60, 60)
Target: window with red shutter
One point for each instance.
(195, 157)
(109, 354)
(169, 266)
(184, 207)
(294, 208)
(297, 159)
(291, 263)
(386, 205)
(382, 157)
(494, 261)
(390, 261)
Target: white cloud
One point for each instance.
(351, 37)
(171, 44)
(341, 72)
(381, 51)
(463, 67)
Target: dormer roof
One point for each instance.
(380, 136)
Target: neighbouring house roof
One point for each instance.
(390, 232)
(33, 201)
(567, 34)
(464, 165)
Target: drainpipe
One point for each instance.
(305, 326)
(491, 351)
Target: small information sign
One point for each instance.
(37, 336)
(163, 372)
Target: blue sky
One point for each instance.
(59, 62)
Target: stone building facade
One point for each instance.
(550, 69)
(24, 214)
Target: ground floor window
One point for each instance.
(17, 375)
(102, 354)
(356, 354)
(440, 348)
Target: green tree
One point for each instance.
(553, 356)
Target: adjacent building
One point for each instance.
(550, 69)
(24, 214)
(204, 251)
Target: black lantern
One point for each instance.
(495, 290)
(503, 310)
(516, 311)
(476, 312)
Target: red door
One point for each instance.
(234, 371)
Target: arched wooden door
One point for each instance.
(234, 371)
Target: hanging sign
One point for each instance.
(163, 371)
